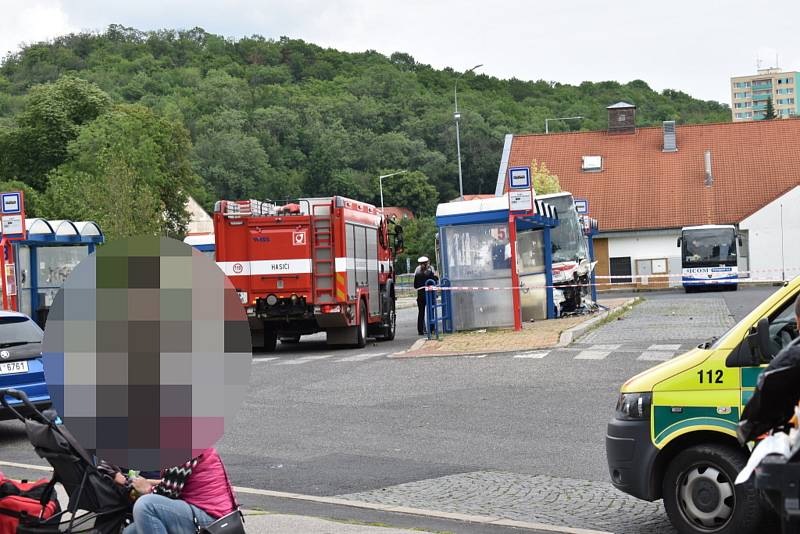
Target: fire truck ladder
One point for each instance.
(322, 253)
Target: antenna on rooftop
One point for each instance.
(758, 62)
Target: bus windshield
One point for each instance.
(709, 246)
(569, 243)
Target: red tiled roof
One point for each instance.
(641, 187)
(398, 213)
(471, 197)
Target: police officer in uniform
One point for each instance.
(422, 274)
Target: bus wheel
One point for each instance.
(700, 497)
(361, 335)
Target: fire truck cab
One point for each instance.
(318, 264)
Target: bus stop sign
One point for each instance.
(12, 213)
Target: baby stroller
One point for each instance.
(97, 504)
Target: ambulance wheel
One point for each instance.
(700, 497)
(361, 332)
(270, 339)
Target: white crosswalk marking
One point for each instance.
(592, 354)
(304, 359)
(656, 355)
(361, 357)
(261, 360)
(596, 352)
(532, 355)
(672, 348)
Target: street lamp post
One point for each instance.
(380, 184)
(546, 121)
(457, 117)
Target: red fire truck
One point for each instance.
(318, 264)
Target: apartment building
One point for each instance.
(749, 95)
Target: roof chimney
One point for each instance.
(670, 142)
(709, 176)
(621, 118)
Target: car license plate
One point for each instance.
(10, 368)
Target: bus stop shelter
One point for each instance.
(498, 262)
(42, 260)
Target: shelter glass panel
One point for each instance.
(479, 255)
(477, 251)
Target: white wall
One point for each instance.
(766, 230)
(640, 246)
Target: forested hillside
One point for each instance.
(256, 117)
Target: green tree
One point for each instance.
(420, 240)
(544, 182)
(323, 121)
(115, 197)
(233, 164)
(52, 118)
(152, 151)
(33, 199)
(411, 190)
(770, 113)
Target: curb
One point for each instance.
(565, 338)
(467, 518)
(571, 334)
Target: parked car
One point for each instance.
(21, 360)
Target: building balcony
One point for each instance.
(761, 86)
(761, 97)
(759, 107)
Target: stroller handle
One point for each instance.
(23, 398)
(13, 393)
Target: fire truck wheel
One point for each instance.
(270, 339)
(361, 340)
(391, 327)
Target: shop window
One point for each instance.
(621, 267)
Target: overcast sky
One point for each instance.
(690, 45)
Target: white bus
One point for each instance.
(572, 268)
(709, 256)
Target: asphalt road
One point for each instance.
(338, 422)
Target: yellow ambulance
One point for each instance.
(673, 435)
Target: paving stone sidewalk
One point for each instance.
(674, 319)
(536, 335)
(534, 498)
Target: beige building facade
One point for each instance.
(749, 95)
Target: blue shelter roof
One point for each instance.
(55, 232)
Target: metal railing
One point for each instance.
(439, 307)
